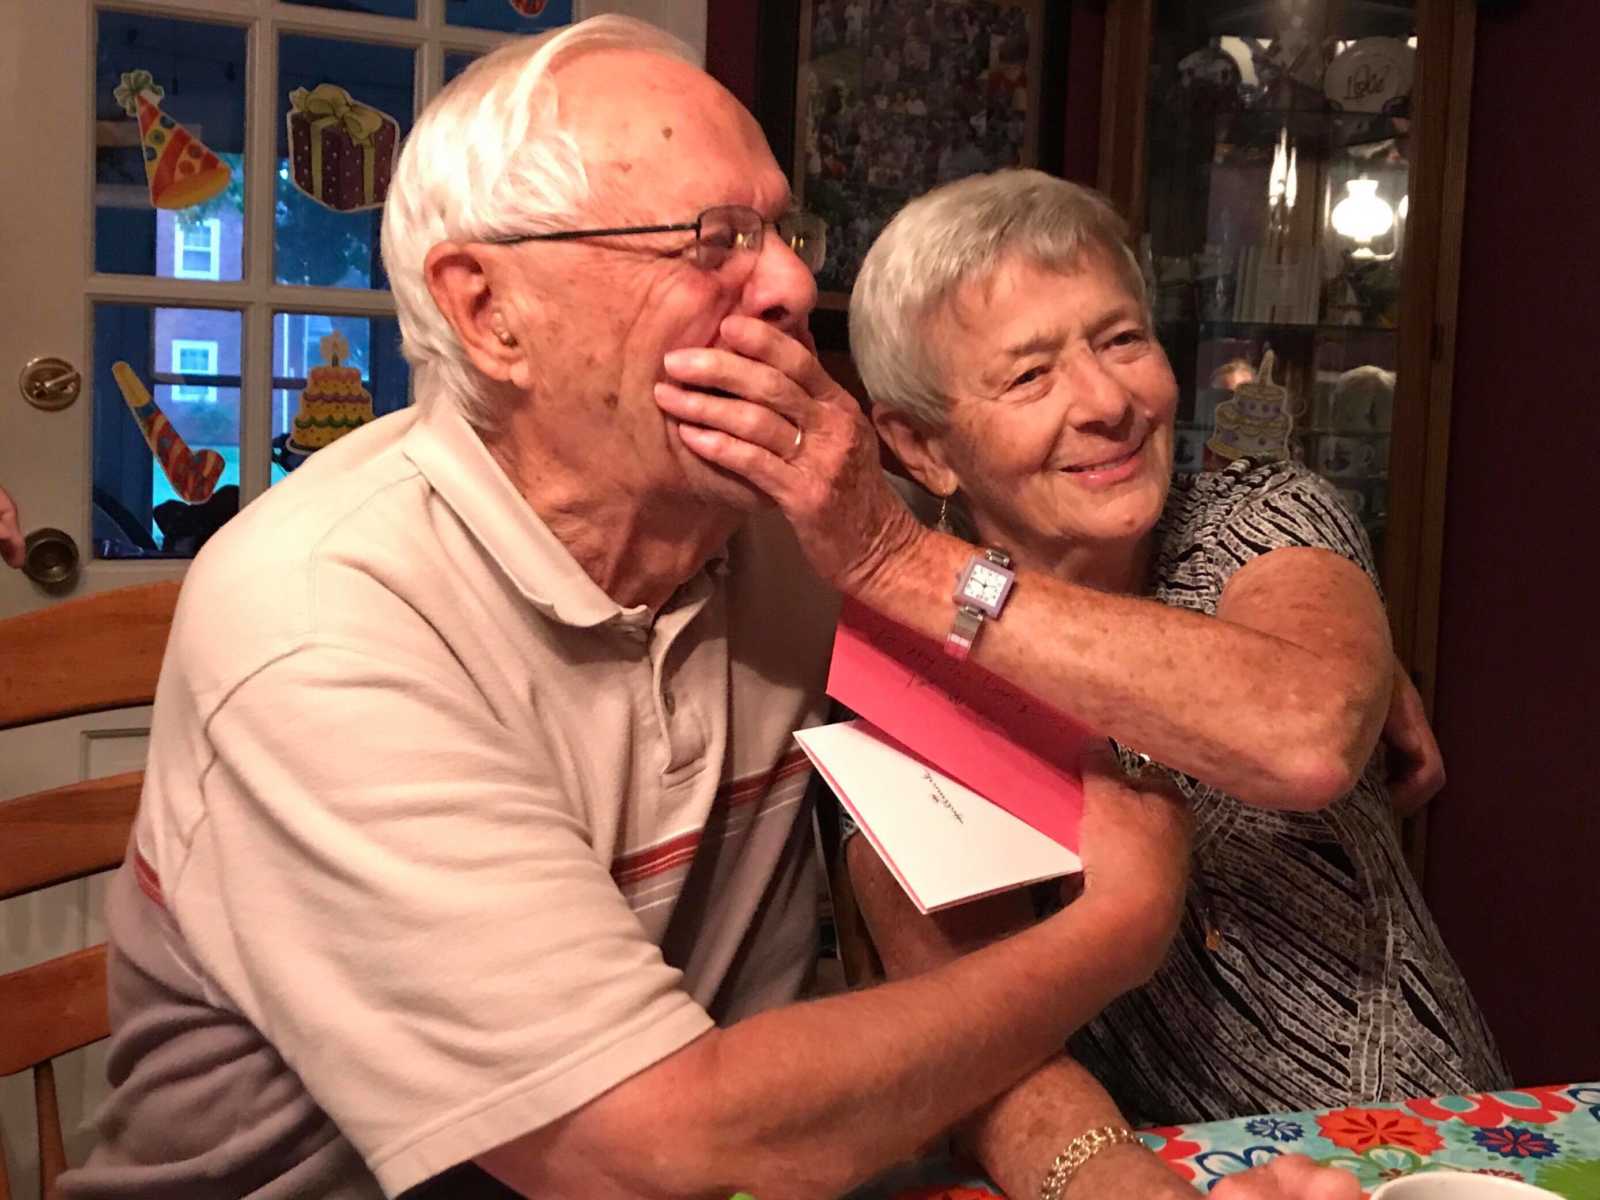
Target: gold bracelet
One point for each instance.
(1079, 1151)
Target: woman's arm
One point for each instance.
(1415, 765)
(1278, 700)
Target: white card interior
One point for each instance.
(944, 843)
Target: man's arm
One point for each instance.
(812, 1099)
(1018, 1135)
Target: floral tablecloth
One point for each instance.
(1549, 1136)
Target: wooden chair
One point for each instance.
(82, 656)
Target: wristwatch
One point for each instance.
(981, 591)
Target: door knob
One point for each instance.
(50, 558)
(50, 383)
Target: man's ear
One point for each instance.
(462, 281)
(921, 451)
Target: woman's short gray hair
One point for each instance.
(954, 235)
(491, 157)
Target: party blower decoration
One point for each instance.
(193, 476)
(179, 168)
(341, 152)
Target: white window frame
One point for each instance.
(181, 230)
(185, 393)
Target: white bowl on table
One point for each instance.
(1458, 1185)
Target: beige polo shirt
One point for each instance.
(438, 842)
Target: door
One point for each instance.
(192, 273)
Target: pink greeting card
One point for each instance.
(998, 741)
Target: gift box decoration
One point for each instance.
(341, 152)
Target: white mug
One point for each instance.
(1188, 448)
(1339, 455)
(1458, 1185)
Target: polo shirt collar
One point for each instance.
(458, 466)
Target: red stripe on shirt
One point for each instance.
(149, 881)
(642, 864)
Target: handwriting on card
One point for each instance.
(965, 848)
(936, 794)
(971, 725)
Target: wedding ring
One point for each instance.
(799, 436)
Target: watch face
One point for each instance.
(984, 585)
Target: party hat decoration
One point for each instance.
(179, 168)
(193, 476)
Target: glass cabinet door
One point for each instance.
(1278, 172)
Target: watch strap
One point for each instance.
(963, 631)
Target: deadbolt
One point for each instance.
(50, 558)
(50, 383)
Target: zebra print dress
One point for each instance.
(1325, 980)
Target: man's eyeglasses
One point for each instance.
(721, 234)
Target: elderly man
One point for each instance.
(473, 852)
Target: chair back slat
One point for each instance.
(52, 1007)
(66, 833)
(88, 655)
(52, 1147)
(83, 656)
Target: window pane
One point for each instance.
(509, 16)
(330, 375)
(166, 428)
(380, 8)
(169, 141)
(343, 108)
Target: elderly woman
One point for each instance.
(1227, 626)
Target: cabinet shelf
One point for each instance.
(1359, 18)
(1250, 329)
(1315, 132)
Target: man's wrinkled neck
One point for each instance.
(639, 548)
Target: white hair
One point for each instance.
(491, 157)
(954, 235)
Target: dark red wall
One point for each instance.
(731, 27)
(1514, 842)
